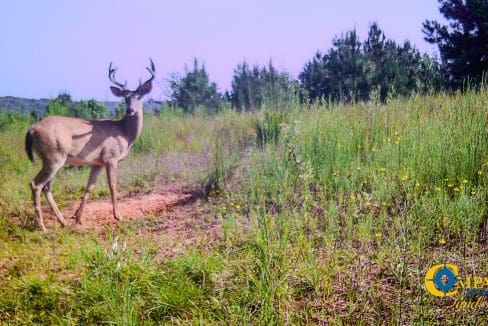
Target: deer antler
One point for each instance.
(111, 76)
(152, 71)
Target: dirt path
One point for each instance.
(172, 218)
(98, 213)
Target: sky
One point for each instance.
(52, 46)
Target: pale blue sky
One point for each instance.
(53, 45)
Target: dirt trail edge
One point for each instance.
(98, 212)
(172, 218)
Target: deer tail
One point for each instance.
(29, 140)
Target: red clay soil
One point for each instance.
(172, 218)
(98, 213)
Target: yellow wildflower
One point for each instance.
(352, 197)
(456, 189)
(405, 177)
(373, 149)
(450, 185)
(465, 181)
(382, 169)
(473, 192)
(442, 241)
(237, 206)
(417, 184)
(437, 189)
(396, 133)
(379, 235)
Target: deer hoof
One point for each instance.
(78, 219)
(118, 216)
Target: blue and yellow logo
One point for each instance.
(441, 280)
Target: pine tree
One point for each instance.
(463, 44)
(195, 89)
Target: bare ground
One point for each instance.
(173, 215)
(171, 218)
(98, 213)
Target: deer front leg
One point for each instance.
(92, 180)
(112, 183)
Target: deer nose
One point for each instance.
(130, 111)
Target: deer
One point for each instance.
(100, 143)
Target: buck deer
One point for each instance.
(96, 143)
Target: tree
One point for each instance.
(97, 110)
(430, 77)
(120, 110)
(340, 74)
(64, 106)
(195, 89)
(315, 79)
(56, 108)
(253, 88)
(350, 71)
(60, 105)
(347, 66)
(463, 44)
(64, 99)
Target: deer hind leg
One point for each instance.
(112, 183)
(39, 183)
(52, 203)
(92, 180)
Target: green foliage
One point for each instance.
(120, 110)
(430, 152)
(64, 106)
(268, 127)
(195, 89)
(56, 108)
(9, 119)
(88, 110)
(463, 43)
(352, 71)
(252, 89)
(334, 219)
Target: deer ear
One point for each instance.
(119, 92)
(144, 88)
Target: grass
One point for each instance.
(328, 215)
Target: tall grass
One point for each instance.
(329, 215)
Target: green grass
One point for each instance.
(328, 215)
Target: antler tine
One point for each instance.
(151, 69)
(111, 76)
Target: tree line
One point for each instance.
(355, 70)
(350, 70)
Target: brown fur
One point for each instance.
(96, 143)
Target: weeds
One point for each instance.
(329, 215)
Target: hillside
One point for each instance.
(26, 105)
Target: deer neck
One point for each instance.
(132, 126)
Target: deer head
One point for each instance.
(133, 99)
